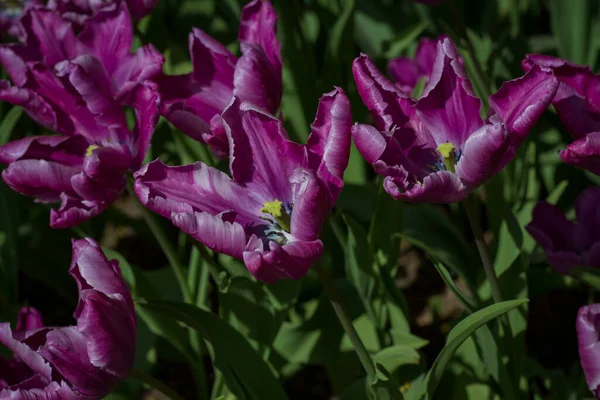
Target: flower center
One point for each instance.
(277, 211)
(90, 150)
(449, 154)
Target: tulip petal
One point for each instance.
(588, 321)
(50, 34)
(29, 319)
(329, 141)
(145, 101)
(64, 150)
(194, 188)
(255, 80)
(521, 102)
(584, 153)
(439, 187)
(258, 26)
(311, 205)
(404, 72)
(214, 232)
(292, 260)
(588, 217)
(35, 106)
(387, 104)
(39, 178)
(26, 354)
(74, 210)
(448, 106)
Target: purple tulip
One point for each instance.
(84, 167)
(406, 72)
(438, 149)
(577, 103)
(588, 331)
(568, 244)
(270, 212)
(84, 361)
(79, 11)
(194, 102)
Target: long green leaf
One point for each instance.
(247, 375)
(459, 334)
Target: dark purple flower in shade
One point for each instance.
(406, 72)
(588, 332)
(83, 168)
(577, 103)
(194, 102)
(438, 148)
(270, 211)
(83, 361)
(568, 244)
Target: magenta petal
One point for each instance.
(60, 149)
(448, 107)
(293, 260)
(384, 100)
(73, 210)
(146, 63)
(369, 141)
(35, 106)
(52, 391)
(329, 142)
(66, 349)
(588, 330)
(27, 355)
(258, 26)
(52, 35)
(212, 62)
(584, 153)
(108, 325)
(145, 101)
(141, 8)
(439, 187)
(311, 205)
(108, 36)
(217, 234)
(520, 102)
(577, 99)
(29, 319)
(39, 178)
(404, 72)
(484, 153)
(194, 188)
(588, 217)
(14, 58)
(256, 80)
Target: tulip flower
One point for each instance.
(83, 168)
(194, 102)
(588, 324)
(84, 361)
(577, 103)
(568, 244)
(270, 211)
(50, 41)
(406, 72)
(437, 149)
(80, 11)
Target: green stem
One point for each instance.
(156, 384)
(357, 343)
(214, 267)
(166, 246)
(488, 267)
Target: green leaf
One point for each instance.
(571, 23)
(247, 375)
(8, 123)
(385, 386)
(467, 302)
(459, 334)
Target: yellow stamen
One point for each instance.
(90, 150)
(275, 209)
(447, 152)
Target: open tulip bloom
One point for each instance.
(76, 86)
(194, 102)
(577, 103)
(588, 330)
(84, 361)
(568, 244)
(438, 148)
(270, 211)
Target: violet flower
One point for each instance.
(588, 331)
(406, 72)
(84, 361)
(270, 211)
(83, 168)
(438, 149)
(80, 11)
(50, 41)
(194, 102)
(577, 103)
(568, 244)
(10, 16)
